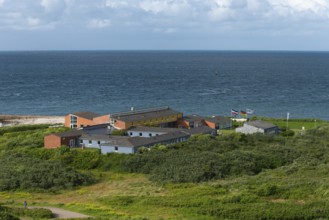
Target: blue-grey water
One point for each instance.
(200, 82)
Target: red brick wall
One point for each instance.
(210, 124)
(52, 141)
(102, 119)
(183, 124)
(67, 121)
(85, 122)
(120, 124)
(80, 121)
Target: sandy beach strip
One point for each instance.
(9, 120)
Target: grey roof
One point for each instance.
(193, 118)
(87, 115)
(139, 141)
(261, 124)
(91, 127)
(119, 141)
(153, 129)
(99, 137)
(200, 130)
(144, 114)
(218, 119)
(71, 133)
(142, 141)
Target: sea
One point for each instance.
(271, 83)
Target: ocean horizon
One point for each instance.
(203, 82)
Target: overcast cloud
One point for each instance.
(164, 24)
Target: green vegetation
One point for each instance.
(232, 176)
(36, 213)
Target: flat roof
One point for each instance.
(144, 114)
(261, 124)
(87, 115)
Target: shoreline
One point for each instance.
(10, 120)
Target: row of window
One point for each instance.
(141, 134)
(98, 142)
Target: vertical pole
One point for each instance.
(287, 120)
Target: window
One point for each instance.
(73, 119)
(98, 142)
(90, 142)
(81, 141)
(150, 134)
(141, 134)
(131, 134)
(116, 149)
(81, 126)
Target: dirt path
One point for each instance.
(63, 214)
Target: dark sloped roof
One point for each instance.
(96, 137)
(142, 141)
(261, 124)
(144, 114)
(119, 141)
(200, 130)
(91, 127)
(218, 119)
(193, 118)
(71, 133)
(87, 115)
(152, 129)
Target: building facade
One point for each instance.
(258, 126)
(70, 138)
(218, 122)
(161, 116)
(83, 119)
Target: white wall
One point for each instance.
(121, 150)
(248, 129)
(144, 133)
(94, 143)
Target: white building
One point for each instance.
(258, 126)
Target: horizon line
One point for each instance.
(160, 50)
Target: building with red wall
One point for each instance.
(69, 138)
(83, 119)
(161, 116)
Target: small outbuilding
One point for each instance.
(258, 126)
(218, 122)
(69, 138)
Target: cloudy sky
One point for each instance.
(164, 24)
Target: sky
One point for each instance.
(164, 25)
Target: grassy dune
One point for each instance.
(296, 188)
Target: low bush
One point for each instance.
(23, 172)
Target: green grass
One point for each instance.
(296, 124)
(297, 190)
(132, 196)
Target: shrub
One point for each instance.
(23, 172)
